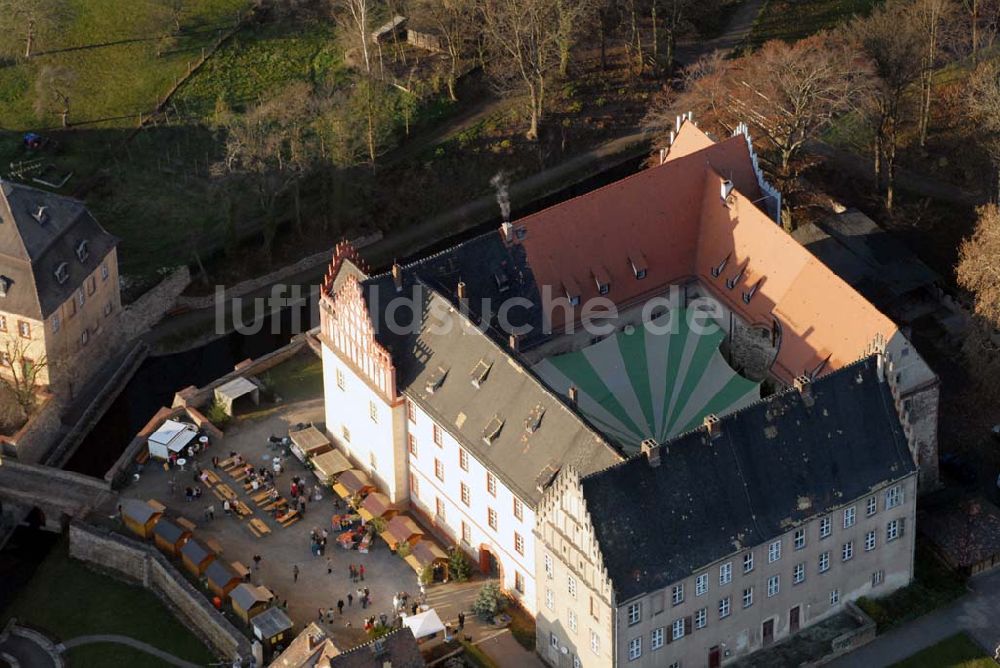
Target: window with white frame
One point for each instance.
(847, 551)
(799, 573)
(748, 597)
(726, 573)
(748, 562)
(491, 518)
(725, 606)
(869, 541)
(773, 584)
(518, 509)
(774, 551)
(549, 568)
(571, 586)
(677, 594)
(701, 584)
(518, 543)
(892, 531)
(373, 411)
(634, 614)
(878, 577)
(572, 620)
(893, 497)
(463, 459)
(872, 506)
(438, 436)
(340, 379)
(491, 484)
(677, 629)
(439, 469)
(466, 533)
(463, 490)
(701, 618)
(634, 648)
(799, 538)
(825, 527)
(595, 642)
(656, 638)
(850, 516)
(835, 597)
(824, 562)
(550, 599)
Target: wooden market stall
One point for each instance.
(222, 578)
(375, 505)
(329, 465)
(401, 529)
(250, 600)
(308, 442)
(272, 627)
(353, 482)
(170, 537)
(140, 517)
(426, 554)
(196, 557)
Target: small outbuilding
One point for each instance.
(227, 394)
(424, 624)
(222, 578)
(375, 505)
(308, 442)
(170, 537)
(172, 437)
(401, 529)
(329, 465)
(426, 554)
(196, 557)
(249, 600)
(272, 628)
(353, 482)
(139, 517)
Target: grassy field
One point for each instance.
(67, 600)
(790, 20)
(958, 651)
(301, 377)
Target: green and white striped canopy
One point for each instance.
(651, 382)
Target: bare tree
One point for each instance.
(984, 110)
(21, 372)
(575, 17)
(930, 16)
(521, 38)
(53, 87)
(356, 16)
(455, 22)
(23, 23)
(977, 272)
(891, 39)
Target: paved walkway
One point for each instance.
(131, 642)
(975, 613)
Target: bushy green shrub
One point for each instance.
(217, 415)
(459, 567)
(489, 602)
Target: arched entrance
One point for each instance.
(489, 565)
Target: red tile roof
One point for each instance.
(674, 215)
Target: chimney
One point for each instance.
(651, 450)
(880, 367)
(663, 155)
(508, 232)
(397, 276)
(803, 384)
(41, 215)
(572, 394)
(712, 426)
(726, 189)
(461, 290)
(514, 340)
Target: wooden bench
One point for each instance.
(242, 509)
(238, 475)
(211, 477)
(277, 503)
(289, 518)
(218, 493)
(186, 523)
(261, 497)
(230, 462)
(258, 528)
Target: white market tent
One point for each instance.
(172, 436)
(424, 624)
(233, 390)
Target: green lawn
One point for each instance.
(67, 600)
(791, 20)
(958, 651)
(301, 377)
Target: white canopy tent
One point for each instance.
(172, 436)
(424, 624)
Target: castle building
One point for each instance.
(732, 536)
(58, 285)
(468, 381)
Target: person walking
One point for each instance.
(361, 572)
(350, 599)
(256, 562)
(350, 568)
(461, 621)
(340, 606)
(329, 566)
(295, 573)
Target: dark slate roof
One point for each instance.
(220, 573)
(168, 531)
(137, 510)
(31, 250)
(271, 622)
(526, 462)
(398, 649)
(871, 260)
(777, 463)
(196, 551)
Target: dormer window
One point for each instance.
(479, 373)
(503, 283)
(733, 280)
(718, 269)
(748, 294)
(602, 280)
(534, 420)
(435, 381)
(492, 430)
(638, 262)
(62, 272)
(41, 215)
(574, 300)
(4, 285)
(604, 288)
(82, 252)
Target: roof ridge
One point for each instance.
(371, 643)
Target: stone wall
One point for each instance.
(148, 309)
(142, 564)
(850, 640)
(34, 439)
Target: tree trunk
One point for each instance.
(29, 40)
(602, 29)
(975, 31)
(656, 33)
(532, 134)
(297, 201)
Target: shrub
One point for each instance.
(403, 550)
(217, 415)
(489, 602)
(458, 564)
(426, 576)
